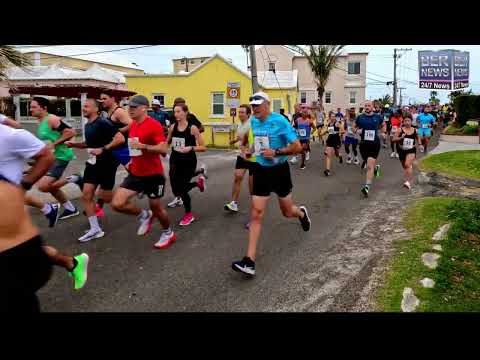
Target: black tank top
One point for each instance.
(336, 130)
(413, 136)
(182, 138)
(117, 124)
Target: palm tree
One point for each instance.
(322, 60)
(386, 99)
(9, 56)
(433, 97)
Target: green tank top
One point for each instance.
(44, 133)
(250, 143)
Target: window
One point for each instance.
(277, 105)
(353, 68)
(182, 61)
(24, 107)
(328, 97)
(192, 61)
(160, 97)
(303, 97)
(75, 108)
(353, 96)
(271, 66)
(218, 104)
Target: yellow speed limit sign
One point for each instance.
(233, 94)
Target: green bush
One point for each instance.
(452, 130)
(467, 107)
(470, 130)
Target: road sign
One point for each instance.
(233, 112)
(221, 128)
(233, 94)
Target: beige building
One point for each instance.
(40, 58)
(187, 64)
(345, 87)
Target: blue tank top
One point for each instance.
(304, 129)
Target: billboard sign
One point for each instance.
(443, 70)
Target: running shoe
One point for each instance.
(246, 266)
(80, 271)
(175, 202)
(364, 164)
(202, 184)
(76, 179)
(349, 159)
(203, 168)
(422, 149)
(99, 212)
(407, 185)
(68, 214)
(52, 216)
(187, 219)
(145, 223)
(303, 167)
(377, 171)
(356, 161)
(307, 156)
(166, 239)
(396, 155)
(293, 160)
(247, 225)
(327, 172)
(365, 190)
(231, 206)
(392, 155)
(91, 234)
(340, 159)
(305, 221)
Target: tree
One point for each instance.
(386, 99)
(9, 56)
(322, 60)
(456, 93)
(433, 97)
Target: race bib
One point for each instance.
(302, 132)
(178, 143)
(92, 159)
(369, 135)
(350, 130)
(133, 152)
(407, 143)
(261, 143)
(425, 126)
(331, 130)
(394, 130)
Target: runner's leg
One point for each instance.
(237, 183)
(121, 202)
(259, 203)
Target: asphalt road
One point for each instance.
(127, 274)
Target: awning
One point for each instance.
(70, 91)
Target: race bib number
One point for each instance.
(369, 135)
(331, 130)
(350, 130)
(92, 159)
(261, 143)
(425, 126)
(133, 152)
(407, 143)
(302, 132)
(178, 143)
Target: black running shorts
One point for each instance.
(152, 186)
(24, 269)
(241, 163)
(369, 149)
(402, 154)
(102, 174)
(334, 141)
(268, 179)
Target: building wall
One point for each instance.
(49, 59)
(178, 66)
(278, 54)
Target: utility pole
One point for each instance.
(401, 98)
(253, 67)
(395, 57)
(186, 63)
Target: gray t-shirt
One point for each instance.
(243, 129)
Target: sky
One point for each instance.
(157, 59)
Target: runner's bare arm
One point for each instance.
(170, 132)
(12, 123)
(199, 138)
(117, 140)
(43, 160)
(122, 116)
(397, 136)
(67, 133)
(76, 145)
(291, 149)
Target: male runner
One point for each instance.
(304, 125)
(55, 132)
(100, 169)
(243, 164)
(367, 126)
(295, 116)
(159, 115)
(425, 123)
(146, 142)
(5, 120)
(274, 140)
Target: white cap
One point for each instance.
(259, 98)
(156, 102)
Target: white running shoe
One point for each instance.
(407, 185)
(231, 206)
(175, 202)
(145, 223)
(166, 239)
(356, 161)
(307, 156)
(91, 234)
(392, 155)
(349, 159)
(422, 148)
(396, 155)
(293, 160)
(203, 167)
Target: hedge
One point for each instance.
(467, 107)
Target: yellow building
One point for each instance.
(204, 90)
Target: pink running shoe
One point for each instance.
(99, 211)
(187, 219)
(201, 183)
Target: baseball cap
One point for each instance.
(387, 106)
(156, 102)
(259, 98)
(138, 100)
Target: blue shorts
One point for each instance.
(350, 140)
(424, 132)
(122, 155)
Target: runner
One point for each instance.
(387, 114)
(425, 123)
(407, 140)
(274, 140)
(320, 118)
(414, 114)
(100, 169)
(296, 115)
(304, 130)
(55, 132)
(186, 140)
(351, 138)
(367, 126)
(243, 164)
(9, 122)
(192, 120)
(146, 142)
(24, 262)
(339, 115)
(334, 128)
(395, 124)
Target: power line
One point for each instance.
(274, 73)
(97, 52)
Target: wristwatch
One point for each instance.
(278, 152)
(26, 185)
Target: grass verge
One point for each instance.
(457, 276)
(457, 163)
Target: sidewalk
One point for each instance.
(446, 146)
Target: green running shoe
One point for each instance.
(80, 272)
(365, 190)
(377, 171)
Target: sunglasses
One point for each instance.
(252, 98)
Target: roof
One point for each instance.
(73, 51)
(191, 57)
(69, 91)
(57, 72)
(278, 79)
